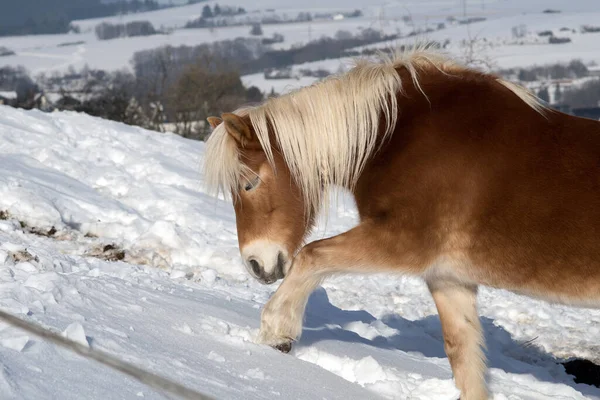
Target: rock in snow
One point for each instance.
(76, 333)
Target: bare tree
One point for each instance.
(588, 95)
(519, 31)
(201, 91)
(475, 51)
(256, 30)
(544, 94)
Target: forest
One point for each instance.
(30, 17)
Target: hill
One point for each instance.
(107, 234)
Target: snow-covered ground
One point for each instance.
(286, 85)
(506, 51)
(77, 192)
(48, 53)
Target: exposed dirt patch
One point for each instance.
(23, 256)
(5, 216)
(108, 252)
(47, 232)
(42, 232)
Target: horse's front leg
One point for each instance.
(354, 251)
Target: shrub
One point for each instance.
(558, 40)
(6, 52)
(256, 30)
(107, 31)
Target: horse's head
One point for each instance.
(269, 207)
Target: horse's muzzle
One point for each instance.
(267, 264)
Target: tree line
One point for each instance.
(585, 95)
(107, 31)
(572, 70)
(30, 17)
(175, 88)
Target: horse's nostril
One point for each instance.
(255, 267)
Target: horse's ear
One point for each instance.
(237, 128)
(214, 121)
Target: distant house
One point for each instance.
(282, 73)
(67, 102)
(40, 101)
(594, 70)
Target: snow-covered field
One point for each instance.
(287, 85)
(48, 53)
(77, 192)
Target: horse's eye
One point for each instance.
(252, 184)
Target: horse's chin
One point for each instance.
(268, 281)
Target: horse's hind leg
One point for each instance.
(463, 337)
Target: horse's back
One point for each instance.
(513, 194)
(539, 223)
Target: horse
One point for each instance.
(459, 177)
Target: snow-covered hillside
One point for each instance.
(106, 233)
(49, 53)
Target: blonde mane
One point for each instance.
(328, 131)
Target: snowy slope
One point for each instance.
(382, 9)
(48, 53)
(76, 190)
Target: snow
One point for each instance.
(47, 53)
(42, 53)
(8, 95)
(504, 54)
(179, 303)
(282, 86)
(76, 333)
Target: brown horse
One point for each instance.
(459, 177)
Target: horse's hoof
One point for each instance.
(284, 347)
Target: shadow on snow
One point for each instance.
(324, 321)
